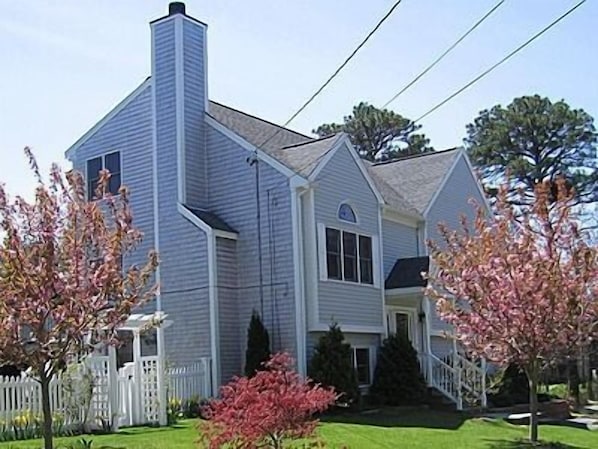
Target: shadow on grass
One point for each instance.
(400, 417)
(524, 444)
(136, 431)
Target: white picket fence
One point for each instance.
(20, 397)
(132, 395)
(187, 382)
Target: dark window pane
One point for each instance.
(350, 256)
(93, 175)
(333, 253)
(362, 365)
(113, 166)
(402, 324)
(365, 260)
(345, 212)
(113, 162)
(114, 184)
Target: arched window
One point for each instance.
(346, 213)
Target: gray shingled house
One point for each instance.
(249, 215)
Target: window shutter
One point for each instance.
(376, 261)
(322, 252)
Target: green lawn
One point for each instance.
(419, 429)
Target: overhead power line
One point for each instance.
(334, 74)
(255, 160)
(482, 75)
(499, 63)
(443, 55)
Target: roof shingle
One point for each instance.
(211, 219)
(407, 273)
(416, 178)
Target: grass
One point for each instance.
(390, 429)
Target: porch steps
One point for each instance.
(438, 401)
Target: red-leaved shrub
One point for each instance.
(263, 411)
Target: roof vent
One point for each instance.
(176, 8)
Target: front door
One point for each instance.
(403, 321)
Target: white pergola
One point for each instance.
(139, 324)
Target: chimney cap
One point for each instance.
(176, 8)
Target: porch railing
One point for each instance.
(459, 379)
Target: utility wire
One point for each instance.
(334, 74)
(255, 159)
(443, 55)
(476, 79)
(499, 63)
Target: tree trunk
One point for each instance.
(573, 380)
(46, 411)
(532, 375)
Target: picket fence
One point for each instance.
(192, 381)
(132, 393)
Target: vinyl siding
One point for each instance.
(194, 104)
(130, 133)
(400, 241)
(183, 247)
(452, 202)
(227, 275)
(232, 196)
(342, 181)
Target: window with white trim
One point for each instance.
(346, 213)
(360, 359)
(110, 162)
(349, 256)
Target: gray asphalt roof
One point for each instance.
(305, 157)
(255, 130)
(297, 151)
(406, 184)
(407, 273)
(211, 219)
(416, 178)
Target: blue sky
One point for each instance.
(66, 64)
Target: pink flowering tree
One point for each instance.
(519, 287)
(62, 287)
(264, 411)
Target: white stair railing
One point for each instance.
(444, 378)
(457, 378)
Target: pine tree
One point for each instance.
(331, 364)
(397, 378)
(258, 345)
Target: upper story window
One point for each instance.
(110, 162)
(346, 213)
(349, 256)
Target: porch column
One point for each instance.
(114, 390)
(138, 403)
(484, 396)
(427, 311)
